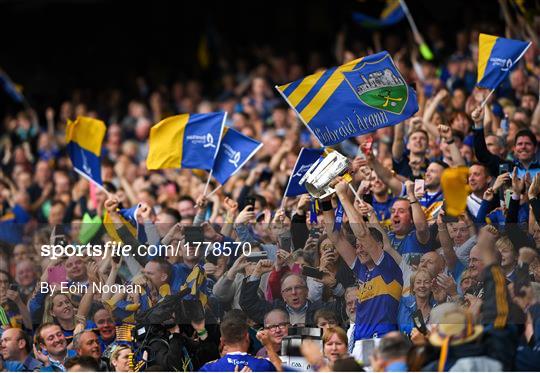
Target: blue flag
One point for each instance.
(234, 151)
(185, 141)
(84, 138)
(304, 161)
(496, 58)
(359, 97)
(390, 15)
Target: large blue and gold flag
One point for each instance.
(235, 150)
(305, 160)
(390, 15)
(84, 138)
(352, 99)
(185, 141)
(496, 58)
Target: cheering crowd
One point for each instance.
(402, 285)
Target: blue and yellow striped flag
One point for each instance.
(496, 58)
(352, 99)
(390, 15)
(185, 141)
(84, 138)
(195, 280)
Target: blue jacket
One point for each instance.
(407, 306)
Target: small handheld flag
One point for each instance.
(353, 99)
(305, 159)
(84, 138)
(185, 141)
(496, 58)
(234, 151)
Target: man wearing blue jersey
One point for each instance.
(379, 276)
(235, 343)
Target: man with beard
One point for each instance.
(277, 324)
(86, 343)
(432, 199)
(53, 351)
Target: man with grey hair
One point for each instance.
(294, 292)
(277, 323)
(351, 296)
(86, 343)
(391, 354)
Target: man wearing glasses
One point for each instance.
(294, 292)
(277, 324)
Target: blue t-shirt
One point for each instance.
(408, 247)
(378, 298)
(228, 363)
(382, 209)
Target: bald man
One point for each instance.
(15, 346)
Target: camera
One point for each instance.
(151, 332)
(290, 346)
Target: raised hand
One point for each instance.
(263, 266)
(478, 115)
(111, 205)
(201, 202)
(245, 216)
(518, 185)
(534, 189)
(501, 180)
(230, 205)
(445, 132)
(341, 187)
(488, 194)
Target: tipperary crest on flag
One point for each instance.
(378, 84)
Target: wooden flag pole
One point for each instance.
(487, 98)
(215, 190)
(207, 182)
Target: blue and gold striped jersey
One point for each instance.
(378, 297)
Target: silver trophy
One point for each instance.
(317, 179)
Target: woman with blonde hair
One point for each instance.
(60, 310)
(421, 298)
(120, 359)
